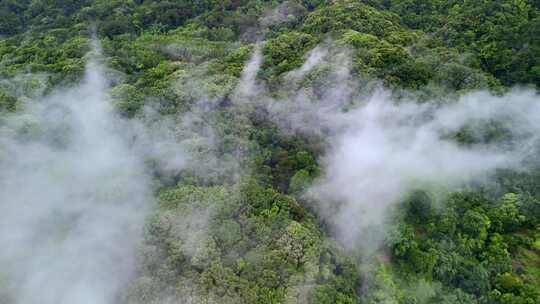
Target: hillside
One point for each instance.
(253, 151)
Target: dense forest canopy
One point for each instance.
(257, 151)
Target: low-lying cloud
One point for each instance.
(74, 191)
(389, 148)
(379, 148)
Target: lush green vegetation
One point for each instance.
(254, 246)
(251, 239)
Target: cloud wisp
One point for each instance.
(74, 192)
(379, 148)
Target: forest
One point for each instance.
(269, 151)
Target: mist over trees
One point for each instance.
(254, 151)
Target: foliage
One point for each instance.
(257, 246)
(468, 245)
(285, 52)
(501, 34)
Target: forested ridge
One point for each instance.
(300, 151)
